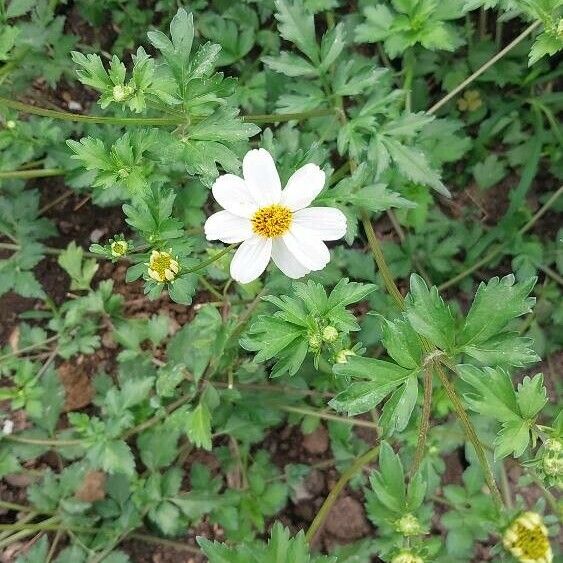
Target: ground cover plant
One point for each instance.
(280, 281)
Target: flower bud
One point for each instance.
(315, 341)
(407, 557)
(119, 248)
(330, 334)
(121, 92)
(408, 525)
(10, 124)
(162, 267)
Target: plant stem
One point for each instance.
(155, 121)
(327, 416)
(483, 68)
(381, 263)
(335, 491)
(424, 422)
(43, 442)
(471, 435)
(30, 347)
(37, 173)
(168, 543)
(408, 69)
(498, 249)
(209, 261)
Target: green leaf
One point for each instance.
(381, 379)
(414, 165)
(182, 289)
(402, 343)
(290, 64)
(37, 553)
(496, 303)
(158, 447)
(489, 172)
(398, 409)
(429, 315)
(80, 270)
(505, 349)
(297, 26)
(196, 343)
(198, 427)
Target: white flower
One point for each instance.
(272, 223)
(8, 427)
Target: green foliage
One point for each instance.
(280, 547)
(299, 325)
(171, 400)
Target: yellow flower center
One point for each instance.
(527, 539)
(272, 221)
(162, 267)
(118, 248)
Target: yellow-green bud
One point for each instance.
(121, 92)
(330, 334)
(10, 124)
(407, 557)
(553, 445)
(119, 248)
(553, 466)
(315, 341)
(342, 356)
(408, 525)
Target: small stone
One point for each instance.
(346, 520)
(77, 386)
(75, 106)
(316, 442)
(315, 482)
(93, 487)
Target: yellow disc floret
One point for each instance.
(119, 248)
(272, 221)
(526, 538)
(407, 557)
(162, 267)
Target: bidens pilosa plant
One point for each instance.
(276, 279)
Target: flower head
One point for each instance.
(526, 538)
(408, 525)
(162, 267)
(330, 334)
(119, 248)
(120, 92)
(470, 101)
(407, 557)
(271, 222)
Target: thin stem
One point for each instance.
(155, 121)
(483, 68)
(381, 263)
(281, 117)
(209, 261)
(328, 416)
(336, 490)
(68, 116)
(471, 435)
(43, 442)
(30, 347)
(408, 69)
(168, 543)
(37, 173)
(424, 422)
(498, 249)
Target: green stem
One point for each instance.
(471, 435)
(155, 121)
(358, 464)
(43, 442)
(424, 422)
(381, 263)
(39, 173)
(168, 543)
(484, 68)
(408, 70)
(30, 347)
(328, 416)
(498, 249)
(209, 261)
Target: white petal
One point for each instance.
(232, 194)
(226, 227)
(261, 176)
(307, 248)
(285, 260)
(327, 223)
(303, 187)
(251, 259)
